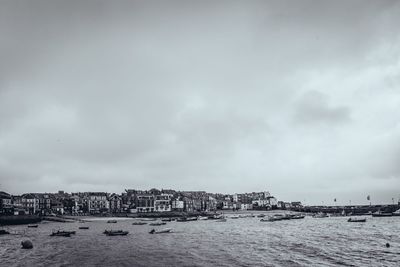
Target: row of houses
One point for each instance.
(131, 201)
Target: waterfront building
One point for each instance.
(145, 202)
(115, 203)
(5, 203)
(97, 202)
(177, 204)
(162, 203)
(30, 203)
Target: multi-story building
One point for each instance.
(30, 203)
(177, 204)
(5, 203)
(115, 203)
(162, 203)
(97, 202)
(145, 202)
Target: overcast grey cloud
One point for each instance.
(299, 98)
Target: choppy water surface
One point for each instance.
(237, 242)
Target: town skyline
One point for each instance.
(359, 200)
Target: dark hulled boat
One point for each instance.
(115, 232)
(357, 220)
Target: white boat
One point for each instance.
(235, 217)
(202, 218)
(320, 215)
(163, 231)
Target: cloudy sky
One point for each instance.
(301, 98)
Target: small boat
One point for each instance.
(320, 215)
(357, 220)
(269, 219)
(139, 223)
(115, 232)
(221, 220)
(4, 232)
(261, 215)
(84, 227)
(112, 221)
(202, 218)
(382, 214)
(166, 220)
(61, 233)
(277, 217)
(158, 223)
(33, 226)
(297, 216)
(235, 217)
(163, 231)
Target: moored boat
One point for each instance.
(115, 232)
(163, 231)
(61, 233)
(33, 226)
(221, 220)
(357, 220)
(261, 215)
(139, 223)
(320, 215)
(84, 227)
(157, 223)
(112, 221)
(297, 216)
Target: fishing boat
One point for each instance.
(139, 223)
(235, 217)
(60, 233)
(33, 226)
(163, 231)
(261, 215)
(84, 227)
(382, 214)
(202, 218)
(112, 221)
(115, 232)
(166, 220)
(357, 220)
(157, 223)
(221, 220)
